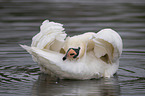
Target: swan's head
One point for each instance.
(71, 53)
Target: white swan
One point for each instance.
(86, 56)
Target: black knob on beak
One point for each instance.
(64, 58)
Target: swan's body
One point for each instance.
(98, 55)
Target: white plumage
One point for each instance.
(98, 55)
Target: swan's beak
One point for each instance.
(72, 53)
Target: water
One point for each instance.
(20, 20)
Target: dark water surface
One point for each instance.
(20, 20)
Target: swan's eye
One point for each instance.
(72, 54)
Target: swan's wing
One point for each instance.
(51, 36)
(47, 43)
(108, 45)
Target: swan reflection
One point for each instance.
(49, 86)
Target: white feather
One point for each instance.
(49, 31)
(113, 38)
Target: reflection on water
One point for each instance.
(54, 87)
(20, 20)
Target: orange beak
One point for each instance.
(71, 53)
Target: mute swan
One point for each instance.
(86, 56)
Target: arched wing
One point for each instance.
(51, 36)
(108, 45)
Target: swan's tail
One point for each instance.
(27, 48)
